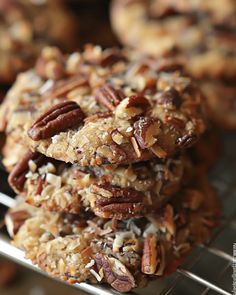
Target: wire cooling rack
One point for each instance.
(207, 271)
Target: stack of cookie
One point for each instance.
(202, 34)
(96, 149)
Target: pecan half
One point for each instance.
(14, 220)
(116, 202)
(109, 97)
(59, 118)
(150, 255)
(17, 178)
(145, 131)
(115, 273)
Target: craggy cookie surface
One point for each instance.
(101, 107)
(110, 192)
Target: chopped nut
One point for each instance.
(170, 99)
(109, 97)
(150, 255)
(132, 106)
(145, 131)
(136, 147)
(117, 137)
(14, 221)
(169, 219)
(158, 151)
(115, 273)
(17, 177)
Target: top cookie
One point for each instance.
(101, 107)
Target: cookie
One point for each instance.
(221, 101)
(107, 107)
(26, 27)
(12, 151)
(110, 192)
(220, 12)
(124, 254)
(206, 50)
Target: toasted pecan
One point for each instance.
(17, 178)
(59, 118)
(115, 273)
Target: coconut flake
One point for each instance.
(119, 239)
(90, 264)
(96, 275)
(46, 86)
(53, 179)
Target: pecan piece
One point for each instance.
(14, 220)
(145, 131)
(50, 65)
(138, 101)
(116, 202)
(170, 99)
(59, 118)
(168, 220)
(132, 106)
(109, 97)
(115, 273)
(153, 259)
(111, 57)
(17, 178)
(150, 255)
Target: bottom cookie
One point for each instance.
(124, 254)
